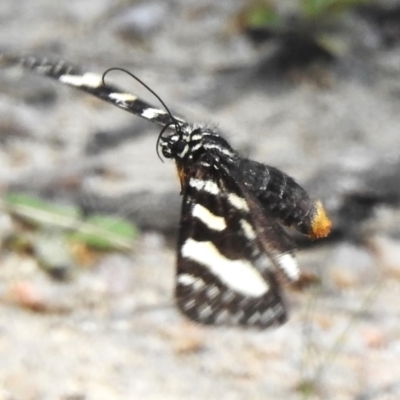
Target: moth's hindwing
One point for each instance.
(224, 274)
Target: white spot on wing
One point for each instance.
(208, 186)
(238, 275)
(254, 318)
(186, 279)
(199, 284)
(248, 230)
(88, 79)
(212, 292)
(122, 97)
(289, 265)
(208, 218)
(222, 317)
(189, 304)
(190, 280)
(152, 113)
(228, 296)
(267, 316)
(238, 202)
(205, 312)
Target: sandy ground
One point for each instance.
(112, 331)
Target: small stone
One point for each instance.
(373, 337)
(342, 278)
(27, 295)
(186, 339)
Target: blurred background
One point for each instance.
(89, 214)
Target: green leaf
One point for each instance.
(261, 14)
(37, 210)
(313, 8)
(99, 231)
(106, 233)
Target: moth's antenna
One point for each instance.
(173, 119)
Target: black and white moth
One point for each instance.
(233, 253)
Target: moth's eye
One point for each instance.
(179, 146)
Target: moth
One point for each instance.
(233, 253)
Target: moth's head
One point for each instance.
(182, 144)
(191, 143)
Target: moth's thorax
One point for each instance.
(193, 144)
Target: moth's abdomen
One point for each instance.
(289, 202)
(284, 199)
